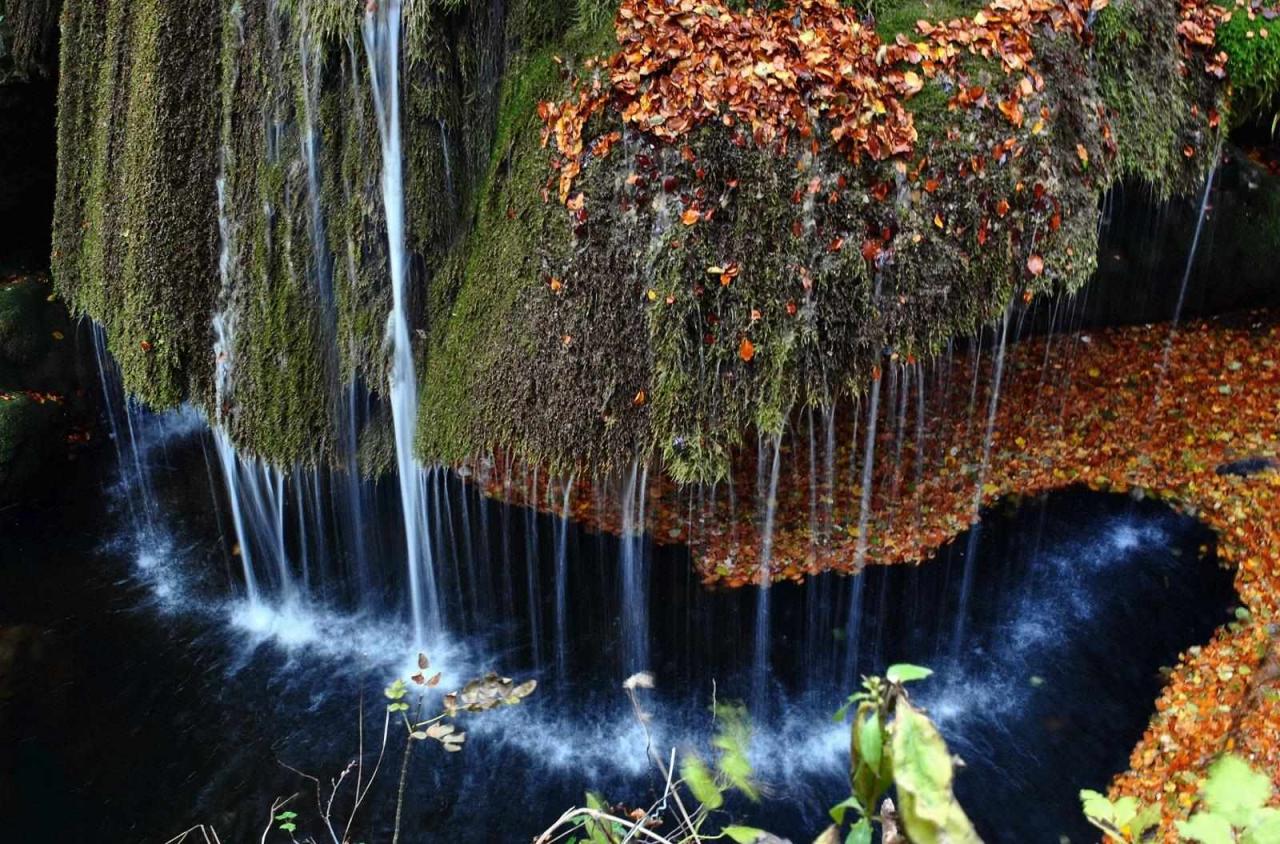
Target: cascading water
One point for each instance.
(635, 571)
(763, 640)
(966, 584)
(382, 46)
(562, 581)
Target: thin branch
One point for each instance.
(595, 814)
(276, 805)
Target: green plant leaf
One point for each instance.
(1264, 828)
(1234, 791)
(922, 771)
(1097, 806)
(1207, 829)
(743, 834)
(905, 672)
(701, 782)
(838, 811)
(1125, 808)
(860, 833)
(1146, 818)
(732, 742)
(870, 740)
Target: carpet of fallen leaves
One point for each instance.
(1145, 410)
(786, 74)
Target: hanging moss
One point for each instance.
(135, 220)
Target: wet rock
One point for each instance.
(41, 400)
(1249, 466)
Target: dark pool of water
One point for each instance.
(141, 700)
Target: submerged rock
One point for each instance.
(1249, 466)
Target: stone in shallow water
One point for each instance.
(1249, 466)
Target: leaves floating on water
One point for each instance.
(488, 692)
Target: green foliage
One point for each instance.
(905, 673)
(732, 742)
(1234, 810)
(1234, 797)
(895, 745)
(701, 781)
(396, 693)
(923, 773)
(286, 820)
(1123, 817)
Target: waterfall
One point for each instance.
(966, 584)
(531, 562)
(1186, 272)
(760, 664)
(562, 581)
(382, 45)
(450, 192)
(635, 571)
(853, 626)
(125, 417)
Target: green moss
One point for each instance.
(135, 226)
(899, 16)
(1138, 74)
(1253, 60)
(28, 34)
(500, 262)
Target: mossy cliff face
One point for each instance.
(570, 338)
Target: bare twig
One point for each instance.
(208, 833)
(276, 805)
(666, 772)
(595, 814)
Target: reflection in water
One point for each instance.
(1076, 601)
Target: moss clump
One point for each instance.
(1252, 44)
(477, 289)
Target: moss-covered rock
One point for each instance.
(591, 339)
(26, 448)
(570, 340)
(40, 387)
